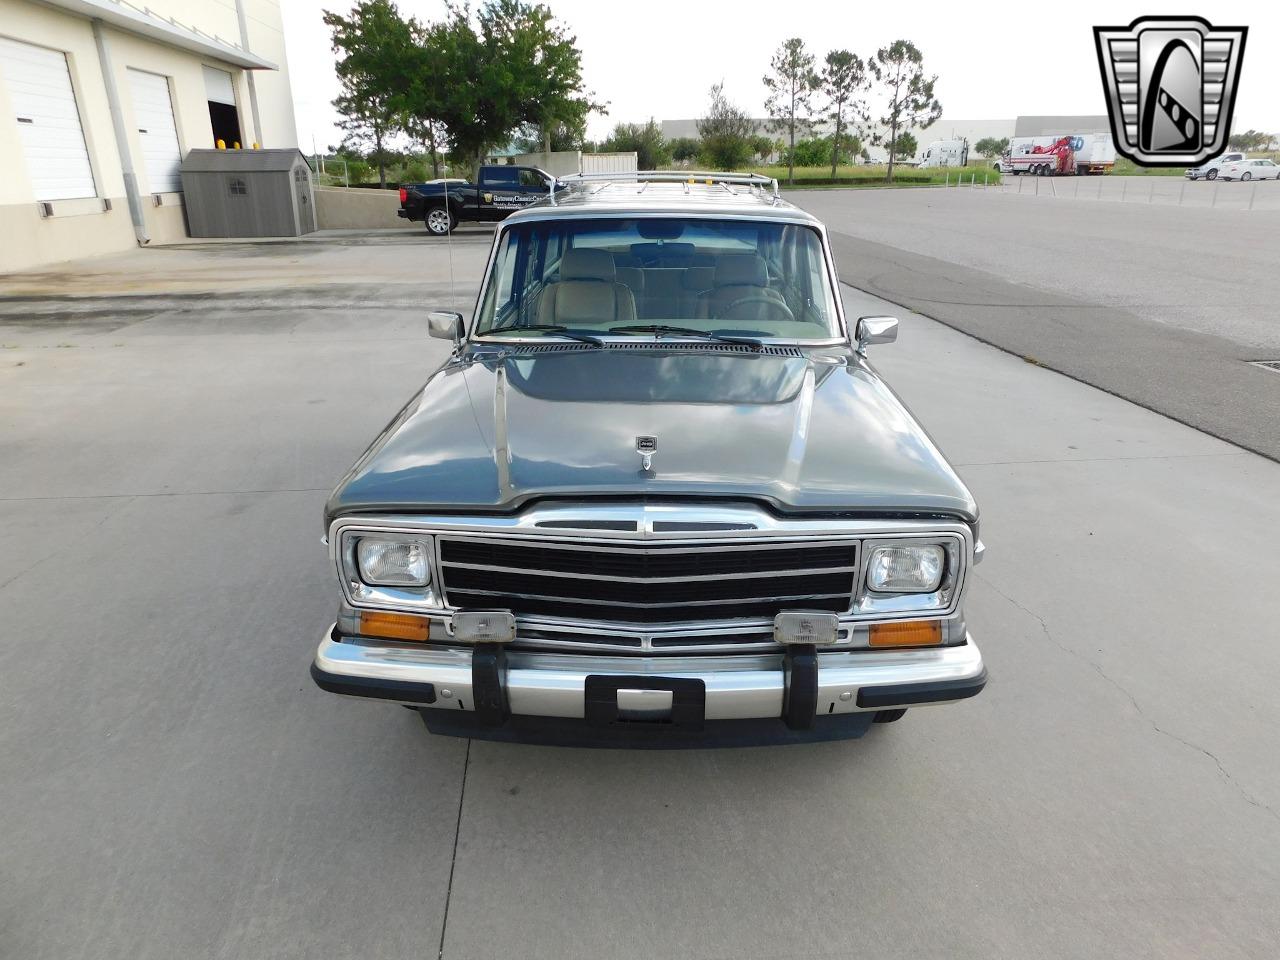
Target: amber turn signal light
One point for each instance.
(394, 626)
(912, 633)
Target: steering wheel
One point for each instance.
(778, 305)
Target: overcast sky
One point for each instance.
(658, 58)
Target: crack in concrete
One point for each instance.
(43, 560)
(1222, 770)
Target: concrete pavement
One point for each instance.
(175, 786)
(1160, 305)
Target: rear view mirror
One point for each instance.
(445, 325)
(875, 330)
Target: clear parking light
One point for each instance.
(906, 569)
(400, 563)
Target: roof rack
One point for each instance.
(758, 182)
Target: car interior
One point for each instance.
(768, 281)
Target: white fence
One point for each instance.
(561, 163)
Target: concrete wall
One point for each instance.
(81, 227)
(340, 208)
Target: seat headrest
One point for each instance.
(584, 263)
(698, 278)
(741, 269)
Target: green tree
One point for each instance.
(506, 68)
(1249, 140)
(991, 146)
(762, 145)
(652, 152)
(725, 133)
(374, 47)
(791, 85)
(684, 149)
(899, 68)
(904, 146)
(843, 78)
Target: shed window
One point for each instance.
(238, 187)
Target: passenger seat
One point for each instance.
(587, 292)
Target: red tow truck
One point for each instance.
(1055, 160)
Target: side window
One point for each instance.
(237, 187)
(501, 176)
(531, 178)
(507, 272)
(551, 258)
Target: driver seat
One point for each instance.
(738, 276)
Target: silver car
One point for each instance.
(657, 495)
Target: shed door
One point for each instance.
(157, 132)
(39, 87)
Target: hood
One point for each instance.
(803, 433)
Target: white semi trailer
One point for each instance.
(945, 153)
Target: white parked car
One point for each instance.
(1250, 170)
(1211, 169)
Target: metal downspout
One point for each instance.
(122, 141)
(253, 89)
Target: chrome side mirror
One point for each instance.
(874, 330)
(446, 325)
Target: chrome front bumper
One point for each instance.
(539, 684)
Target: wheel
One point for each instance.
(1211, 175)
(440, 221)
(889, 716)
(1246, 176)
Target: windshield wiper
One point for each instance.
(658, 329)
(555, 328)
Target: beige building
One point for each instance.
(101, 99)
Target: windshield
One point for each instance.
(721, 277)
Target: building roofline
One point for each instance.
(146, 23)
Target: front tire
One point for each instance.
(440, 221)
(1246, 176)
(889, 716)
(1211, 175)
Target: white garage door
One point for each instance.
(157, 132)
(39, 88)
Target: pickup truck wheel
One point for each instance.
(889, 716)
(440, 221)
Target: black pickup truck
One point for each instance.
(501, 189)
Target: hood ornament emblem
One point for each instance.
(646, 447)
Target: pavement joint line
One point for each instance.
(453, 859)
(1078, 378)
(31, 567)
(1159, 456)
(1048, 635)
(175, 493)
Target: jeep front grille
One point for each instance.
(648, 583)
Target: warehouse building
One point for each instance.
(99, 102)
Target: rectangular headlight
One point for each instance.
(393, 563)
(906, 568)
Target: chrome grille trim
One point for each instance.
(639, 583)
(641, 525)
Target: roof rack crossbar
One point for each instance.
(756, 181)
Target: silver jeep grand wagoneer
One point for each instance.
(656, 495)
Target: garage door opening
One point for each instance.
(224, 118)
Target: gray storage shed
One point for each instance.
(248, 193)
